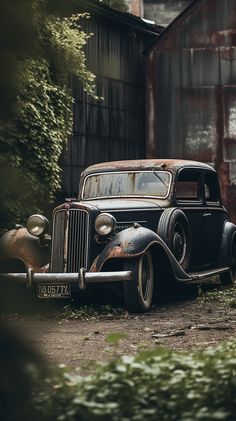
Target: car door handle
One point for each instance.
(206, 214)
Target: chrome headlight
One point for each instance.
(105, 224)
(37, 225)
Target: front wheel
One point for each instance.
(138, 293)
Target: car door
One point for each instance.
(189, 197)
(197, 193)
(214, 216)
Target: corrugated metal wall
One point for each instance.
(191, 91)
(114, 128)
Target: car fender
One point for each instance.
(133, 242)
(19, 245)
(228, 235)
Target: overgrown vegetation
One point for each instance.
(94, 312)
(222, 298)
(162, 385)
(36, 102)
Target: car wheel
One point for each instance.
(228, 278)
(174, 229)
(138, 293)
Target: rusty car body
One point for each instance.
(145, 225)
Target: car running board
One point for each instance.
(203, 277)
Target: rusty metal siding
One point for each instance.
(191, 91)
(113, 128)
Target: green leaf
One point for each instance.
(115, 337)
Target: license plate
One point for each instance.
(53, 290)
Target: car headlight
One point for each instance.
(37, 225)
(105, 224)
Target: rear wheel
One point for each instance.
(174, 229)
(228, 278)
(138, 293)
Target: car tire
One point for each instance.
(228, 278)
(138, 293)
(173, 228)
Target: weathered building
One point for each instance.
(113, 128)
(191, 91)
(164, 11)
(161, 11)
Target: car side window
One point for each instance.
(188, 186)
(211, 188)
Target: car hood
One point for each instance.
(128, 204)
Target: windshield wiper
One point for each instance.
(159, 178)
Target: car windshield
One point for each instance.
(126, 184)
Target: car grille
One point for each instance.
(70, 241)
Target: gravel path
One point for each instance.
(78, 339)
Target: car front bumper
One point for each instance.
(76, 280)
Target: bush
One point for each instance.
(162, 385)
(32, 142)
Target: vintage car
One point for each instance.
(146, 225)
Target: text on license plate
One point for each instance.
(54, 290)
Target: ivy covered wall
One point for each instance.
(36, 103)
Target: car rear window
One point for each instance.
(186, 190)
(188, 186)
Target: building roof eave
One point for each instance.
(123, 18)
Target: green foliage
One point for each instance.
(67, 40)
(223, 298)
(114, 337)
(93, 312)
(160, 385)
(32, 142)
(36, 118)
(117, 4)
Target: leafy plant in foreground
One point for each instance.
(163, 385)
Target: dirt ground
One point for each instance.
(79, 337)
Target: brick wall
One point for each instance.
(135, 7)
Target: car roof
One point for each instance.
(171, 165)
